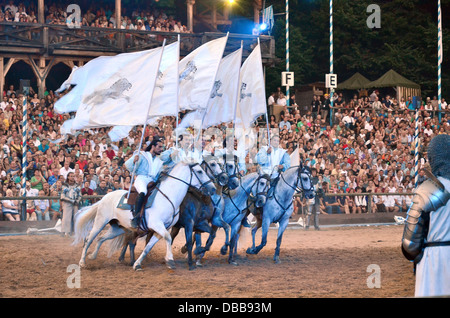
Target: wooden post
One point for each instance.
(257, 7)
(2, 77)
(118, 11)
(41, 17)
(190, 14)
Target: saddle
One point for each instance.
(132, 198)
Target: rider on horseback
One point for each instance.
(273, 159)
(147, 166)
(185, 151)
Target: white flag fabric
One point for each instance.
(295, 158)
(165, 99)
(223, 97)
(222, 102)
(86, 77)
(252, 95)
(197, 73)
(124, 97)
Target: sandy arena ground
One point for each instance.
(334, 262)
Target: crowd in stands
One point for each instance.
(367, 147)
(97, 15)
(365, 150)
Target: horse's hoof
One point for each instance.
(277, 260)
(92, 256)
(224, 250)
(82, 264)
(137, 267)
(171, 264)
(251, 250)
(234, 263)
(199, 263)
(192, 267)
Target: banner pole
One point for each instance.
(146, 118)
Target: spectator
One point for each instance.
(11, 207)
(54, 206)
(42, 207)
(64, 171)
(70, 198)
(360, 202)
(329, 203)
(37, 181)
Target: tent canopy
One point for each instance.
(392, 79)
(357, 81)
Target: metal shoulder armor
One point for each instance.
(428, 197)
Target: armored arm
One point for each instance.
(428, 197)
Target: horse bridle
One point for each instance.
(301, 169)
(190, 179)
(250, 195)
(215, 176)
(236, 173)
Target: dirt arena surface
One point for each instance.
(335, 262)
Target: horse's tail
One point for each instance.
(120, 242)
(84, 220)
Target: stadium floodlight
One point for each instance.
(263, 26)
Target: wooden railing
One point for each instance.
(55, 39)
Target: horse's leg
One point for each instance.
(159, 228)
(254, 230)
(96, 229)
(265, 229)
(112, 232)
(138, 263)
(282, 226)
(233, 243)
(123, 252)
(188, 231)
(203, 226)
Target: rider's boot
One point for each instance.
(137, 210)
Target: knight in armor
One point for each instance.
(313, 205)
(147, 166)
(426, 236)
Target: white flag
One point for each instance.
(252, 95)
(165, 98)
(124, 97)
(88, 76)
(223, 97)
(295, 158)
(197, 73)
(222, 102)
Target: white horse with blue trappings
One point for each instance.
(279, 205)
(158, 218)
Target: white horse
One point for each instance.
(160, 217)
(279, 205)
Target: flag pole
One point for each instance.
(24, 154)
(178, 93)
(146, 118)
(331, 62)
(440, 51)
(267, 117)
(237, 95)
(416, 149)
